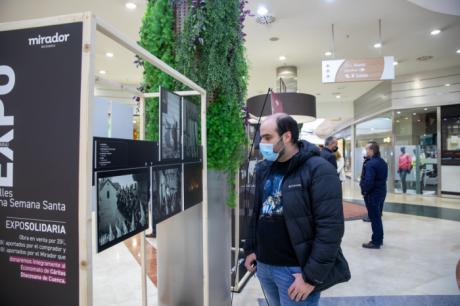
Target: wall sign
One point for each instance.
(354, 70)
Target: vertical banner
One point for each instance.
(40, 79)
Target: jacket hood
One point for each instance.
(306, 151)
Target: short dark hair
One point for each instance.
(329, 140)
(374, 146)
(288, 124)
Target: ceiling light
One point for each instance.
(414, 114)
(282, 58)
(338, 96)
(395, 63)
(130, 5)
(328, 53)
(378, 45)
(102, 71)
(398, 112)
(109, 54)
(262, 11)
(425, 109)
(435, 32)
(447, 85)
(458, 51)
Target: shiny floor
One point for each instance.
(351, 191)
(416, 266)
(419, 257)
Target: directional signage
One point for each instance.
(355, 70)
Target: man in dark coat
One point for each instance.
(297, 222)
(328, 152)
(374, 189)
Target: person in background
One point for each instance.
(374, 189)
(404, 167)
(340, 166)
(297, 223)
(330, 147)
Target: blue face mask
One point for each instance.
(267, 151)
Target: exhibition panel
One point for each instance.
(46, 243)
(39, 237)
(122, 205)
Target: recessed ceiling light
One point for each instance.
(338, 96)
(447, 84)
(378, 45)
(395, 63)
(398, 112)
(458, 51)
(130, 5)
(414, 114)
(262, 11)
(102, 71)
(425, 109)
(328, 53)
(282, 58)
(435, 32)
(109, 54)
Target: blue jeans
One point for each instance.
(374, 205)
(275, 282)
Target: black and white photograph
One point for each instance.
(170, 126)
(193, 184)
(166, 192)
(122, 205)
(190, 130)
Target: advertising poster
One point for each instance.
(40, 81)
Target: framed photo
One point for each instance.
(190, 125)
(122, 205)
(170, 126)
(166, 192)
(193, 184)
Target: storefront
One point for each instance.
(410, 136)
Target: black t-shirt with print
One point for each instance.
(273, 244)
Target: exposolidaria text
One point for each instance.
(33, 226)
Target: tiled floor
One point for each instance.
(419, 258)
(351, 191)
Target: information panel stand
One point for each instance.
(46, 95)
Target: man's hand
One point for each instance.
(249, 262)
(299, 290)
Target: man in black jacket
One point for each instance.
(328, 152)
(373, 185)
(297, 223)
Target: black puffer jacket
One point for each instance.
(312, 206)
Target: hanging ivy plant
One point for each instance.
(211, 52)
(157, 36)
